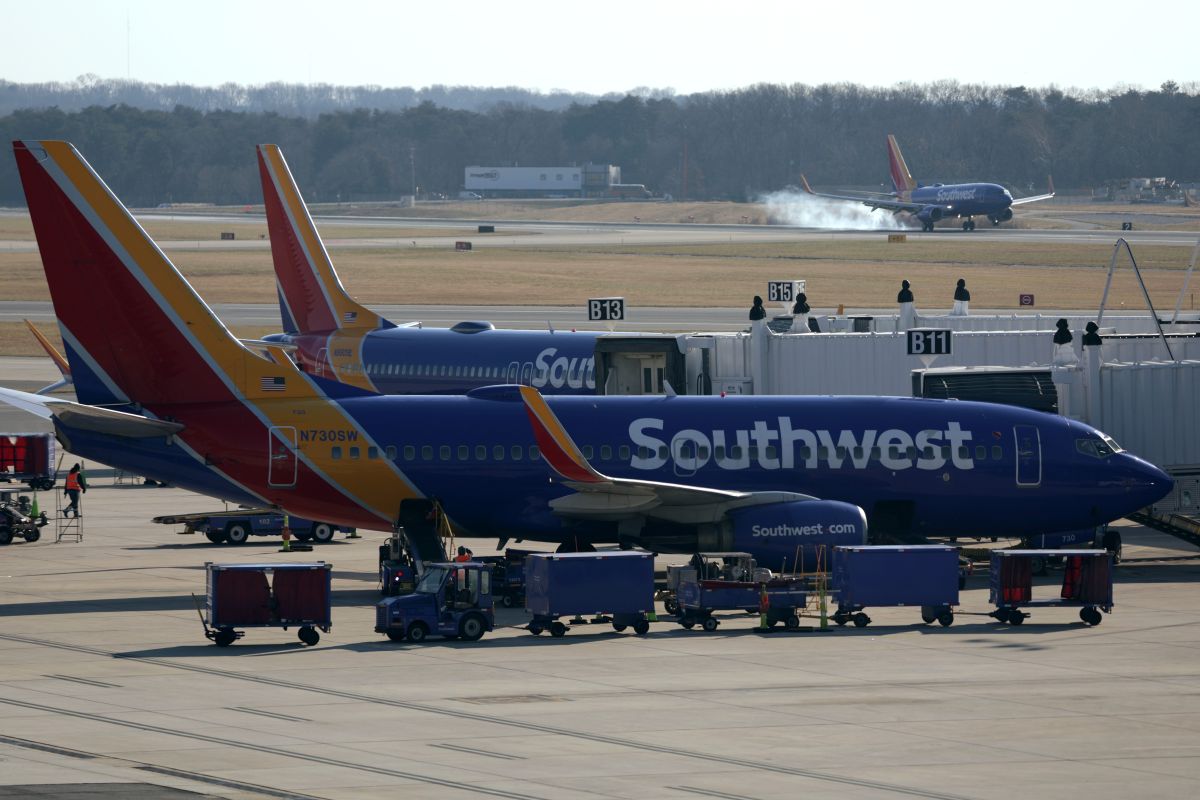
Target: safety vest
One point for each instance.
(73, 480)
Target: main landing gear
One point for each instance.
(969, 224)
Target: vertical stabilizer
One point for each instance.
(311, 297)
(902, 179)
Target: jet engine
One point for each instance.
(1003, 216)
(786, 536)
(930, 214)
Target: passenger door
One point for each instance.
(1029, 455)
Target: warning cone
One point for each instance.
(33, 509)
(287, 535)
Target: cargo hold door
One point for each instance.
(281, 458)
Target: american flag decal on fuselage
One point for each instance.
(272, 384)
(350, 316)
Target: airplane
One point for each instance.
(64, 368)
(775, 476)
(336, 337)
(930, 204)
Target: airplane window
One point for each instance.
(946, 452)
(702, 454)
(587, 452)
(444, 452)
(980, 452)
(1112, 443)
(445, 369)
(823, 453)
(772, 451)
(858, 451)
(458, 371)
(927, 452)
(481, 452)
(805, 452)
(335, 453)
(912, 452)
(410, 452)
(997, 452)
(372, 453)
(427, 453)
(875, 454)
(518, 452)
(390, 452)
(464, 452)
(623, 452)
(1093, 447)
(735, 452)
(841, 452)
(964, 452)
(895, 452)
(719, 452)
(663, 452)
(606, 452)
(498, 452)
(533, 452)
(354, 451)
(643, 452)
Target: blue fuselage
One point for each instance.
(967, 199)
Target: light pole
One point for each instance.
(412, 168)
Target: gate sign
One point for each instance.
(606, 309)
(1026, 299)
(929, 342)
(783, 291)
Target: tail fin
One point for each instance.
(311, 298)
(902, 179)
(127, 316)
(60, 362)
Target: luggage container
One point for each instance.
(242, 596)
(733, 582)
(895, 575)
(614, 586)
(1087, 583)
(28, 458)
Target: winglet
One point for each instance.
(804, 183)
(58, 358)
(1050, 180)
(311, 296)
(902, 179)
(559, 450)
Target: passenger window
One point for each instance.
(444, 452)
(480, 452)
(997, 452)
(354, 453)
(702, 454)
(858, 451)
(841, 452)
(372, 452)
(426, 453)
(912, 453)
(805, 452)
(498, 452)
(623, 452)
(964, 452)
(663, 452)
(606, 452)
(772, 451)
(719, 452)
(980, 452)
(823, 453)
(643, 452)
(518, 452)
(335, 453)
(587, 452)
(735, 452)
(390, 452)
(533, 452)
(945, 452)
(410, 452)
(464, 452)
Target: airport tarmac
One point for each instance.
(109, 689)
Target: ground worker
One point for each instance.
(76, 483)
(463, 555)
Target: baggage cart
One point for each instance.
(267, 596)
(895, 575)
(1087, 583)
(614, 586)
(732, 581)
(28, 458)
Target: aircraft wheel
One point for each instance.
(557, 629)
(711, 624)
(237, 533)
(417, 632)
(310, 636)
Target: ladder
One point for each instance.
(66, 529)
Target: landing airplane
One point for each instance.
(930, 204)
(774, 476)
(336, 337)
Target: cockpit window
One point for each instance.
(1101, 447)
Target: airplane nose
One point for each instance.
(1145, 483)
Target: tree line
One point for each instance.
(714, 145)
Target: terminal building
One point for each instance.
(590, 180)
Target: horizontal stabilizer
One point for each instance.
(91, 418)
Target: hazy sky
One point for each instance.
(609, 46)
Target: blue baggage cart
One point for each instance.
(1087, 583)
(732, 581)
(895, 575)
(615, 586)
(242, 596)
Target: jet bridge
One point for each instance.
(651, 364)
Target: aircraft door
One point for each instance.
(685, 457)
(324, 369)
(514, 370)
(1029, 455)
(527, 374)
(281, 458)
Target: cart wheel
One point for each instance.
(536, 630)
(417, 632)
(216, 537)
(861, 620)
(322, 532)
(946, 618)
(396, 636)
(687, 623)
(619, 627)
(471, 628)
(641, 627)
(793, 622)
(557, 629)
(1015, 617)
(1001, 615)
(308, 635)
(839, 618)
(225, 637)
(6, 535)
(671, 606)
(507, 601)
(237, 533)
(33, 535)
(711, 624)
(929, 614)
(1090, 615)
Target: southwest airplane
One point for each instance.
(771, 475)
(930, 204)
(336, 337)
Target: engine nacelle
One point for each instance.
(782, 534)
(930, 214)
(1003, 216)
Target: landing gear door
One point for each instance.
(1029, 455)
(281, 457)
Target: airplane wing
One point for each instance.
(1035, 198)
(886, 202)
(92, 418)
(598, 496)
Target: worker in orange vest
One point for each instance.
(76, 483)
(463, 555)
